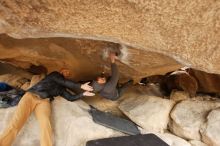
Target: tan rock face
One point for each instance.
(185, 30)
(85, 58)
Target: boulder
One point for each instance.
(179, 95)
(169, 138)
(188, 116)
(197, 143)
(211, 130)
(173, 140)
(72, 125)
(149, 112)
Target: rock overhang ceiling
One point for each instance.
(187, 31)
(83, 57)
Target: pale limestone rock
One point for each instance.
(173, 140)
(179, 96)
(211, 130)
(205, 97)
(72, 125)
(188, 116)
(197, 143)
(169, 138)
(149, 112)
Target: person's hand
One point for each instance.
(87, 93)
(86, 87)
(112, 57)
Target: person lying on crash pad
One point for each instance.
(37, 99)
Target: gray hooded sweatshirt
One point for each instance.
(109, 89)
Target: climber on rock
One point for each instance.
(37, 99)
(109, 88)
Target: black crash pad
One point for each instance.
(134, 140)
(114, 122)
